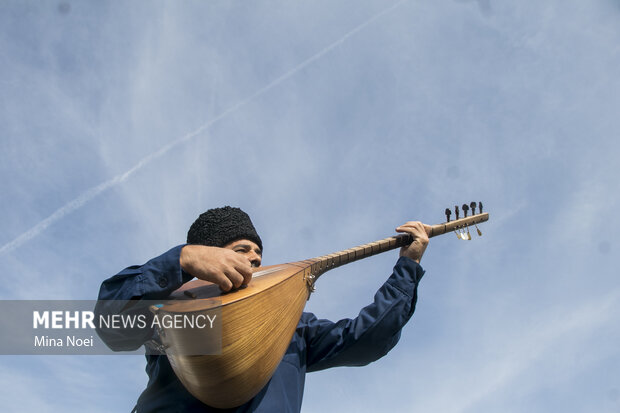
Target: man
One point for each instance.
(222, 247)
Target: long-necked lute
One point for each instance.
(258, 321)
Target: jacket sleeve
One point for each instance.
(374, 332)
(123, 294)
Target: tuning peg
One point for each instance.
(448, 213)
(473, 208)
(465, 209)
(480, 207)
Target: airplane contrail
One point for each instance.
(95, 191)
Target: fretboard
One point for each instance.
(320, 265)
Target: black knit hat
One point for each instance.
(220, 226)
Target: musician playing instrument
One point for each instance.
(222, 247)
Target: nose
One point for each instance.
(254, 259)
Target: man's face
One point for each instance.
(248, 249)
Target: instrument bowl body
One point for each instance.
(258, 323)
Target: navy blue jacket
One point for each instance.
(316, 344)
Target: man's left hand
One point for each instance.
(419, 232)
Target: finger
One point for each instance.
(415, 227)
(222, 281)
(244, 268)
(235, 278)
(404, 228)
(410, 224)
(422, 230)
(247, 278)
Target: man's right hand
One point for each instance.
(220, 266)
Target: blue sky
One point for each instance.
(331, 123)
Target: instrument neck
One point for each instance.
(320, 265)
